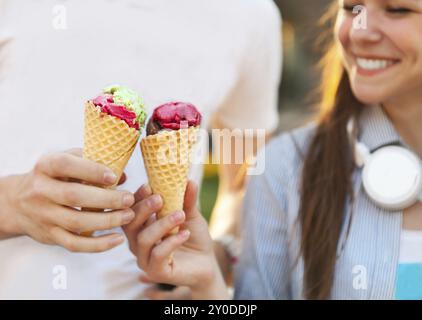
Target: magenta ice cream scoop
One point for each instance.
(172, 116)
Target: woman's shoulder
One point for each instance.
(275, 188)
(280, 163)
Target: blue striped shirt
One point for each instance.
(368, 247)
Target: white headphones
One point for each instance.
(391, 176)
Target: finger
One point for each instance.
(82, 221)
(76, 152)
(191, 194)
(143, 212)
(75, 243)
(143, 192)
(161, 254)
(151, 220)
(145, 279)
(132, 233)
(144, 209)
(122, 179)
(148, 237)
(79, 195)
(66, 165)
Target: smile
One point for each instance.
(374, 66)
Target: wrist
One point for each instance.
(9, 226)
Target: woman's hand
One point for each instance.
(41, 203)
(184, 259)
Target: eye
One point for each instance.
(398, 10)
(348, 8)
(352, 8)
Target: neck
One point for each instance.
(406, 115)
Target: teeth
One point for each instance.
(370, 64)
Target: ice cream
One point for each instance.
(113, 122)
(122, 103)
(171, 133)
(173, 116)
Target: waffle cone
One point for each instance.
(108, 141)
(167, 159)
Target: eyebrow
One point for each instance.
(416, 2)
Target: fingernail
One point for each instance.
(117, 240)
(184, 234)
(128, 200)
(155, 200)
(110, 177)
(127, 216)
(177, 216)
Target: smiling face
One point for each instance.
(383, 60)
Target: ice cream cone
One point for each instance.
(167, 158)
(108, 141)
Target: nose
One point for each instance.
(366, 27)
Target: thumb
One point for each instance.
(191, 194)
(75, 152)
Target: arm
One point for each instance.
(8, 224)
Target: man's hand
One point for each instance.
(43, 203)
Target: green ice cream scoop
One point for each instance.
(130, 99)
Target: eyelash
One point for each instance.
(398, 10)
(348, 8)
(392, 10)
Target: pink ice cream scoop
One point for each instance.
(173, 116)
(107, 105)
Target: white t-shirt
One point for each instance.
(410, 247)
(224, 56)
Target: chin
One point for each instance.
(369, 94)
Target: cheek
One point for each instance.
(409, 46)
(342, 30)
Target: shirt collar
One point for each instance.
(376, 128)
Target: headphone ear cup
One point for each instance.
(392, 178)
